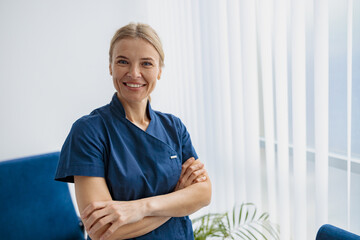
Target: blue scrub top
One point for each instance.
(135, 163)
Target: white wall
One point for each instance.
(54, 67)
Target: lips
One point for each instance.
(134, 85)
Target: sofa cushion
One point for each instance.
(32, 204)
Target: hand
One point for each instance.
(116, 213)
(192, 172)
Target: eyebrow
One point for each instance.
(145, 58)
(148, 58)
(120, 56)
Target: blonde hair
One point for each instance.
(138, 30)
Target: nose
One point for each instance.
(134, 71)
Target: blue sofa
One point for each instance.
(330, 232)
(32, 204)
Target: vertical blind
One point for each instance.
(321, 88)
(282, 113)
(349, 100)
(239, 73)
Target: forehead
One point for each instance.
(135, 47)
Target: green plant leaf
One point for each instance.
(249, 225)
(258, 231)
(248, 231)
(233, 216)
(271, 229)
(241, 233)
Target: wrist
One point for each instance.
(149, 206)
(146, 207)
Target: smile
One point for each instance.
(133, 85)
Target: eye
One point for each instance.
(122, 61)
(147, 64)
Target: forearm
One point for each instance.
(91, 189)
(133, 230)
(159, 209)
(110, 219)
(145, 226)
(179, 203)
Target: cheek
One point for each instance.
(153, 81)
(115, 74)
(153, 77)
(116, 82)
(153, 85)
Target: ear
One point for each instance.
(110, 69)
(159, 75)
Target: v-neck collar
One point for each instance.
(119, 110)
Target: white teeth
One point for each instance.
(133, 85)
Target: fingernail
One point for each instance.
(204, 178)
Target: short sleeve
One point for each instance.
(83, 151)
(188, 149)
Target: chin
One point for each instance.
(135, 99)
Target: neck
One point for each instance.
(136, 112)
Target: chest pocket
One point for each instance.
(142, 166)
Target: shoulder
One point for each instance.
(169, 119)
(172, 123)
(91, 123)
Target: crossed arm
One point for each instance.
(107, 219)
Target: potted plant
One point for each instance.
(242, 222)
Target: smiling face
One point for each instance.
(135, 69)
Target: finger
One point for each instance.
(200, 179)
(191, 169)
(110, 231)
(92, 207)
(177, 186)
(99, 224)
(186, 164)
(185, 181)
(95, 216)
(194, 175)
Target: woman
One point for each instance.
(134, 168)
